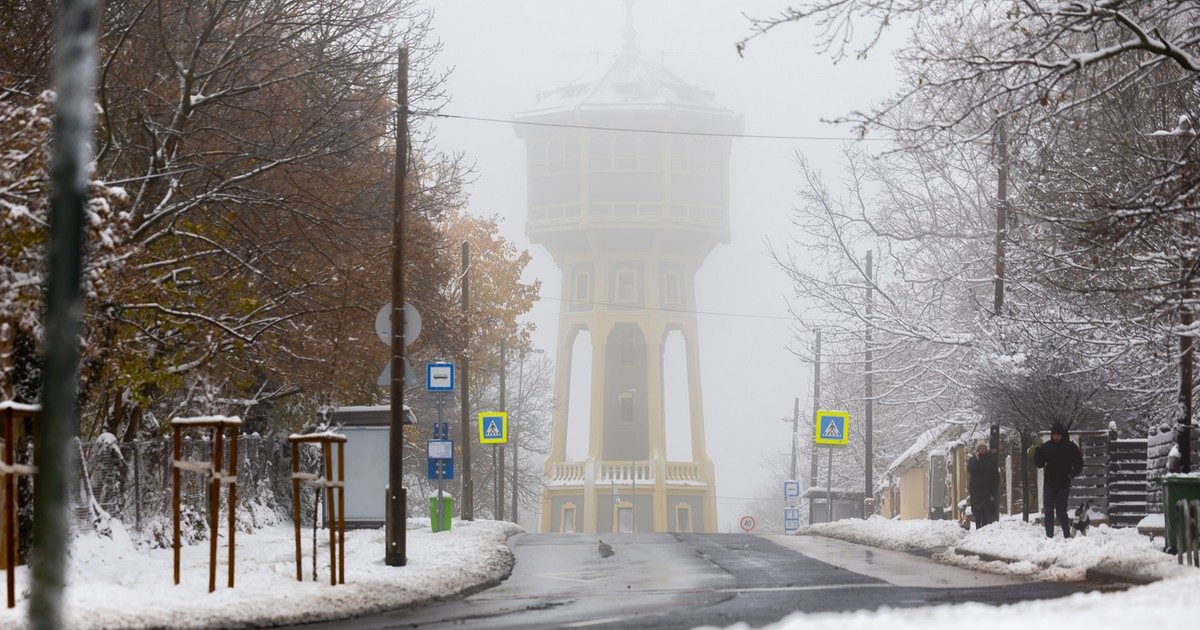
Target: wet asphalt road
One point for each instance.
(688, 580)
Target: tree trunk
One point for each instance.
(1025, 477)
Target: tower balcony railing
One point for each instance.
(684, 473)
(566, 474)
(626, 472)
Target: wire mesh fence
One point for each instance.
(132, 483)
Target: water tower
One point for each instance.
(629, 216)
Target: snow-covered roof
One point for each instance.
(927, 441)
(6, 405)
(628, 81)
(206, 420)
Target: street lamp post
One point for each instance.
(498, 450)
(795, 420)
(512, 429)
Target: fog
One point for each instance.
(503, 53)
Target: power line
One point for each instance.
(669, 132)
(669, 310)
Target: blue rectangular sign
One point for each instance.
(439, 377)
(791, 519)
(440, 452)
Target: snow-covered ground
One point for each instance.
(114, 584)
(915, 535)
(1167, 604)
(1024, 548)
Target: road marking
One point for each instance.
(818, 587)
(564, 577)
(595, 622)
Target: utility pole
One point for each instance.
(868, 418)
(1001, 237)
(397, 550)
(512, 429)
(498, 449)
(1187, 347)
(813, 463)
(795, 434)
(1001, 240)
(468, 485)
(74, 70)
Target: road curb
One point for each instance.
(991, 557)
(1092, 574)
(1102, 574)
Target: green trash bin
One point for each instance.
(1175, 489)
(447, 513)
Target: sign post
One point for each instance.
(439, 381)
(831, 429)
(791, 492)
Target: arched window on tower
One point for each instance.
(627, 289)
(678, 155)
(557, 154)
(650, 153)
(672, 288)
(538, 157)
(625, 152)
(573, 158)
(600, 152)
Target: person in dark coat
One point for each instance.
(1062, 461)
(984, 486)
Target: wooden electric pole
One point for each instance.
(1001, 220)
(467, 510)
(397, 508)
(795, 435)
(814, 465)
(498, 450)
(74, 68)
(869, 390)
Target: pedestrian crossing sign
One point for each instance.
(493, 427)
(832, 428)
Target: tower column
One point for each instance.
(657, 425)
(563, 359)
(696, 405)
(597, 404)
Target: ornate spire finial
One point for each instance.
(629, 35)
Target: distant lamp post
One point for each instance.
(795, 420)
(512, 429)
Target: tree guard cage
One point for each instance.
(14, 417)
(218, 477)
(335, 512)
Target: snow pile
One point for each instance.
(1166, 604)
(1015, 547)
(1121, 550)
(912, 535)
(114, 584)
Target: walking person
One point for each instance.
(1062, 461)
(983, 485)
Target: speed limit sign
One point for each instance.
(747, 523)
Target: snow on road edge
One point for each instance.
(1023, 546)
(1170, 603)
(114, 584)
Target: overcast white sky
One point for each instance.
(503, 52)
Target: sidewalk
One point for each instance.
(111, 583)
(1017, 548)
